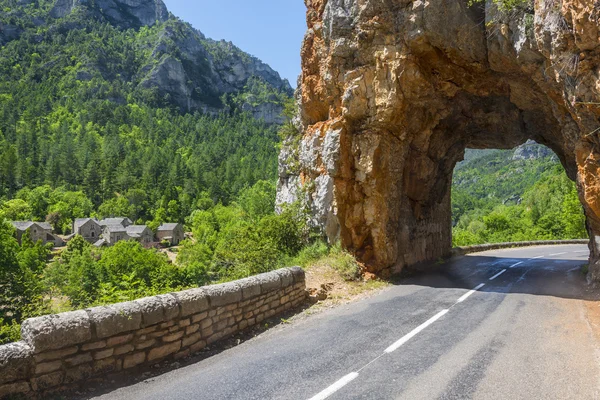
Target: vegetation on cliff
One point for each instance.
(505, 196)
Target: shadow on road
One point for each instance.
(548, 276)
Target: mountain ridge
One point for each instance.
(194, 72)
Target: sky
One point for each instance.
(271, 30)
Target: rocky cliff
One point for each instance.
(392, 92)
(191, 71)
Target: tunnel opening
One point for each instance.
(522, 194)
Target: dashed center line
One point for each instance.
(403, 340)
(335, 387)
(497, 275)
(415, 331)
(535, 258)
(581, 251)
(557, 254)
(469, 293)
(514, 265)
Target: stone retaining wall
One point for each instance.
(457, 251)
(58, 351)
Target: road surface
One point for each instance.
(504, 324)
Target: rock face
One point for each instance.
(392, 92)
(185, 68)
(124, 13)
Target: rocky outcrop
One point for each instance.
(202, 70)
(392, 92)
(123, 13)
(182, 66)
(531, 151)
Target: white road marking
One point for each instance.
(469, 293)
(514, 265)
(335, 387)
(497, 275)
(535, 258)
(415, 331)
(557, 254)
(581, 251)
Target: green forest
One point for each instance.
(498, 196)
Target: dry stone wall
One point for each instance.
(59, 351)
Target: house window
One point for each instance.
(93, 234)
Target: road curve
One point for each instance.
(504, 324)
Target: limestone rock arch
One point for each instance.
(393, 91)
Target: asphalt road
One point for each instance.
(525, 334)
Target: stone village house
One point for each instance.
(37, 231)
(87, 228)
(173, 233)
(109, 231)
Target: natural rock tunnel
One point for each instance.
(393, 91)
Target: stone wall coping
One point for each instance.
(52, 332)
(457, 251)
(70, 347)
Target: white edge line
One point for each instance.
(514, 265)
(335, 387)
(497, 275)
(415, 331)
(557, 254)
(469, 293)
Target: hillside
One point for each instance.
(121, 100)
(520, 194)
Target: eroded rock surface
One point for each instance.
(393, 91)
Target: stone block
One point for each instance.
(104, 366)
(100, 355)
(77, 374)
(56, 354)
(206, 323)
(207, 332)
(52, 332)
(196, 347)
(152, 310)
(250, 287)
(164, 351)
(299, 275)
(192, 329)
(192, 301)
(117, 318)
(94, 346)
(190, 340)
(47, 381)
(167, 324)
(182, 354)
(16, 360)
(118, 340)
(14, 388)
(145, 345)
(269, 281)
(223, 294)
(132, 360)
(47, 367)
(199, 317)
(287, 277)
(145, 331)
(184, 322)
(127, 348)
(173, 337)
(78, 359)
(170, 305)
